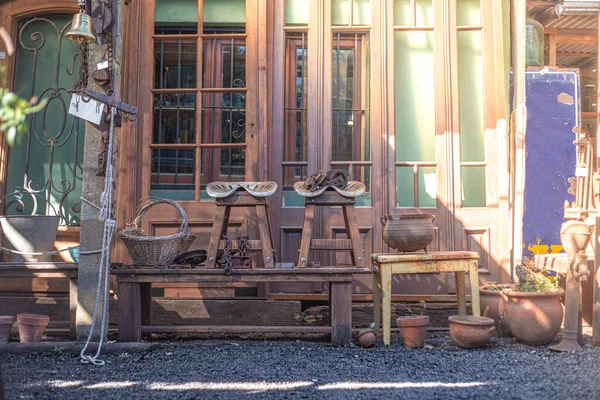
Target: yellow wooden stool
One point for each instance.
(385, 265)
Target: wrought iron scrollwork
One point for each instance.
(67, 130)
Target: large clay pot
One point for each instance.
(6, 323)
(413, 330)
(31, 327)
(533, 317)
(492, 306)
(411, 232)
(470, 332)
(29, 233)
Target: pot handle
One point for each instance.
(492, 331)
(383, 220)
(432, 217)
(504, 296)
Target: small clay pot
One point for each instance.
(470, 332)
(6, 323)
(413, 330)
(366, 338)
(31, 327)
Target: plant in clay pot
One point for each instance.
(533, 311)
(413, 327)
(31, 327)
(492, 305)
(6, 323)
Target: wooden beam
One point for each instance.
(75, 347)
(573, 36)
(543, 3)
(552, 50)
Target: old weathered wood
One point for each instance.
(130, 312)
(439, 298)
(218, 230)
(73, 308)
(129, 282)
(235, 329)
(225, 312)
(458, 262)
(357, 252)
(461, 292)
(596, 280)
(341, 313)
(309, 216)
(266, 239)
(377, 302)
(331, 244)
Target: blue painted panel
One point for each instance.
(552, 115)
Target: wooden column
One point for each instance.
(596, 276)
(340, 310)
(461, 297)
(73, 308)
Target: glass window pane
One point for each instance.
(180, 13)
(403, 13)
(350, 125)
(361, 12)
(173, 173)
(426, 185)
(469, 13)
(424, 13)
(222, 67)
(473, 187)
(174, 118)
(224, 118)
(174, 64)
(414, 96)
(296, 106)
(340, 12)
(219, 12)
(470, 70)
(297, 12)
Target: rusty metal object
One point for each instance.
(353, 189)
(225, 189)
(411, 232)
(469, 331)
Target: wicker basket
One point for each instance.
(158, 251)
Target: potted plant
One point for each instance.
(413, 327)
(492, 305)
(533, 311)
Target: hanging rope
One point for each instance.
(106, 214)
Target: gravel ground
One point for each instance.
(292, 368)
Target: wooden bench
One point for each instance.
(386, 265)
(48, 270)
(135, 298)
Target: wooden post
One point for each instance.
(340, 309)
(72, 308)
(377, 301)
(386, 290)
(518, 128)
(130, 313)
(146, 303)
(474, 281)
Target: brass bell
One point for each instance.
(81, 28)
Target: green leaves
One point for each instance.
(13, 114)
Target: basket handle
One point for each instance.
(151, 202)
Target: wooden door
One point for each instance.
(444, 154)
(323, 119)
(199, 108)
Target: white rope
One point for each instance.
(106, 214)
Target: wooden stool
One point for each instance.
(253, 194)
(386, 265)
(328, 198)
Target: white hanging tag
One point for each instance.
(581, 171)
(102, 65)
(89, 110)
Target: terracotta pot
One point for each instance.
(413, 330)
(470, 332)
(366, 338)
(6, 323)
(492, 306)
(411, 232)
(533, 317)
(31, 327)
